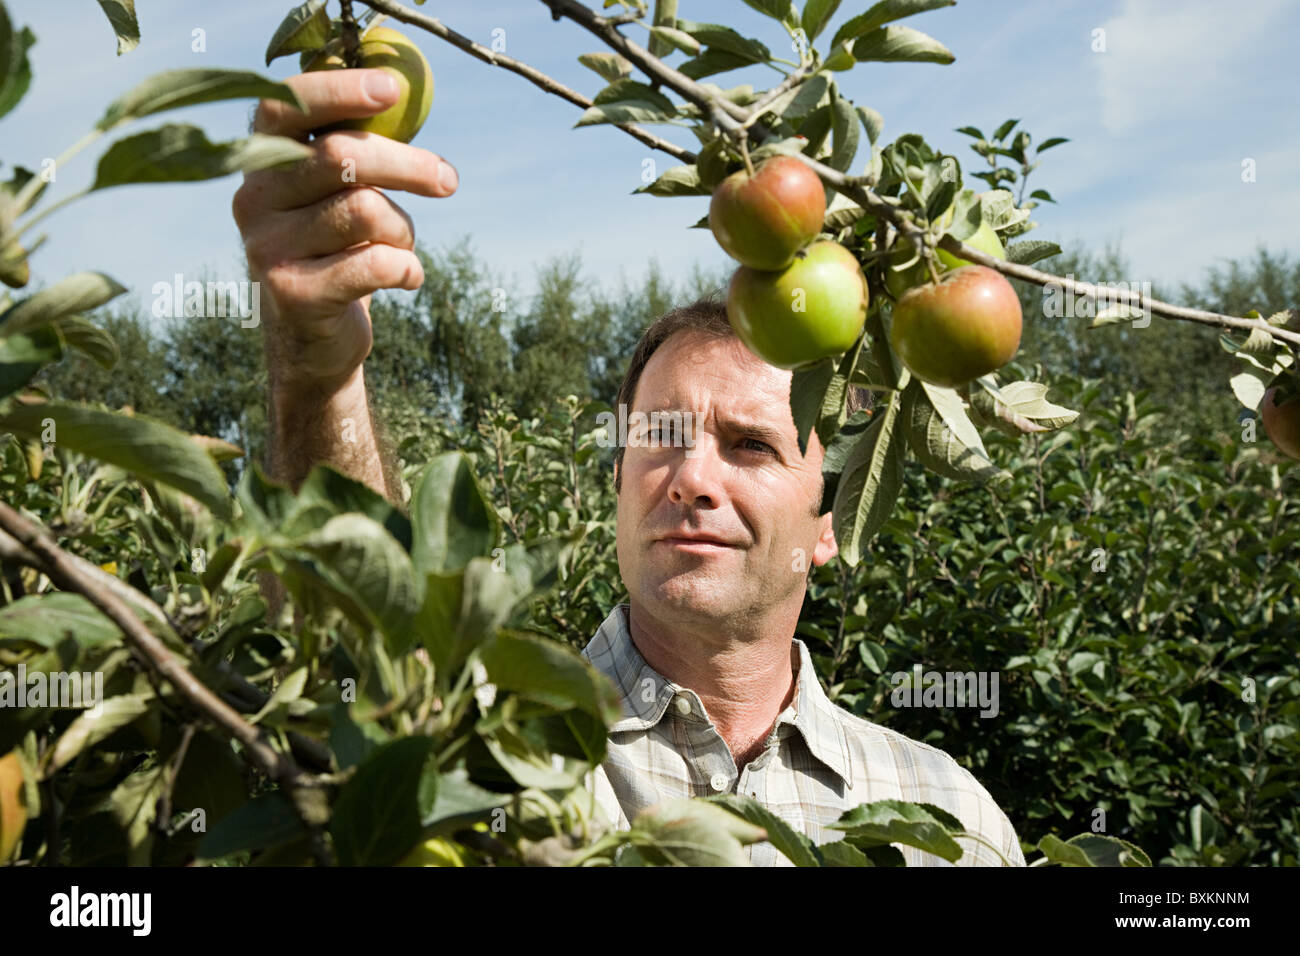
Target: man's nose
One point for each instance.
(697, 474)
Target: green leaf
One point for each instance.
(90, 728)
(15, 68)
(24, 354)
(678, 181)
(174, 89)
(677, 39)
(378, 812)
(1092, 849)
(795, 846)
(1031, 251)
(837, 453)
(817, 16)
(180, 153)
(782, 10)
(1020, 408)
(121, 16)
(459, 802)
(140, 445)
(528, 766)
(872, 122)
(362, 562)
(922, 826)
(305, 27)
(900, 44)
(844, 134)
(870, 484)
(688, 832)
(76, 293)
(713, 61)
(265, 821)
(545, 671)
(809, 389)
(610, 66)
(726, 39)
(884, 12)
(842, 853)
(86, 337)
(46, 619)
(628, 101)
(276, 707)
(942, 436)
(327, 492)
(451, 519)
(1049, 143)
(1001, 132)
(969, 131)
(1042, 194)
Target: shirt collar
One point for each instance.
(645, 694)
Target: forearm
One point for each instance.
(311, 425)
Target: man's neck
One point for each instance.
(744, 685)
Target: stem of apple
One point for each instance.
(744, 154)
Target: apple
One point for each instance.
(386, 49)
(811, 310)
(953, 331)
(1282, 422)
(764, 219)
(898, 281)
(433, 852)
(13, 809)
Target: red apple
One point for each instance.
(966, 325)
(764, 219)
(1282, 422)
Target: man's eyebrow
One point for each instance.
(753, 429)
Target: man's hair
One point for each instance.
(706, 316)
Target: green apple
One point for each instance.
(764, 219)
(813, 309)
(953, 331)
(386, 49)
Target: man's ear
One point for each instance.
(827, 547)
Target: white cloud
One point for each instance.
(1168, 59)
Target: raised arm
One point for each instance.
(320, 238)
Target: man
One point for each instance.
(715, 535)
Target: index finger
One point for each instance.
(329, 95)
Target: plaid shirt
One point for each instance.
(820, 760)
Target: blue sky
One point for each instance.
(1160, 124)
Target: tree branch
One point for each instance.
(41, 551)
(736, 121)
(534, 76)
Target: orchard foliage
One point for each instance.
(418, 689)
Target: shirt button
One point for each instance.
(683, 706)
(719, 782)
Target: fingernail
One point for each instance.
(380, 86)
(448, 177)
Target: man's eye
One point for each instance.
(761, 446)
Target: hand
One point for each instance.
(320, 244)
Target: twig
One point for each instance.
(45, 554)
(534, 76)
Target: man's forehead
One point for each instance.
(692, 369)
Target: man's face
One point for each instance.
(743, 485)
